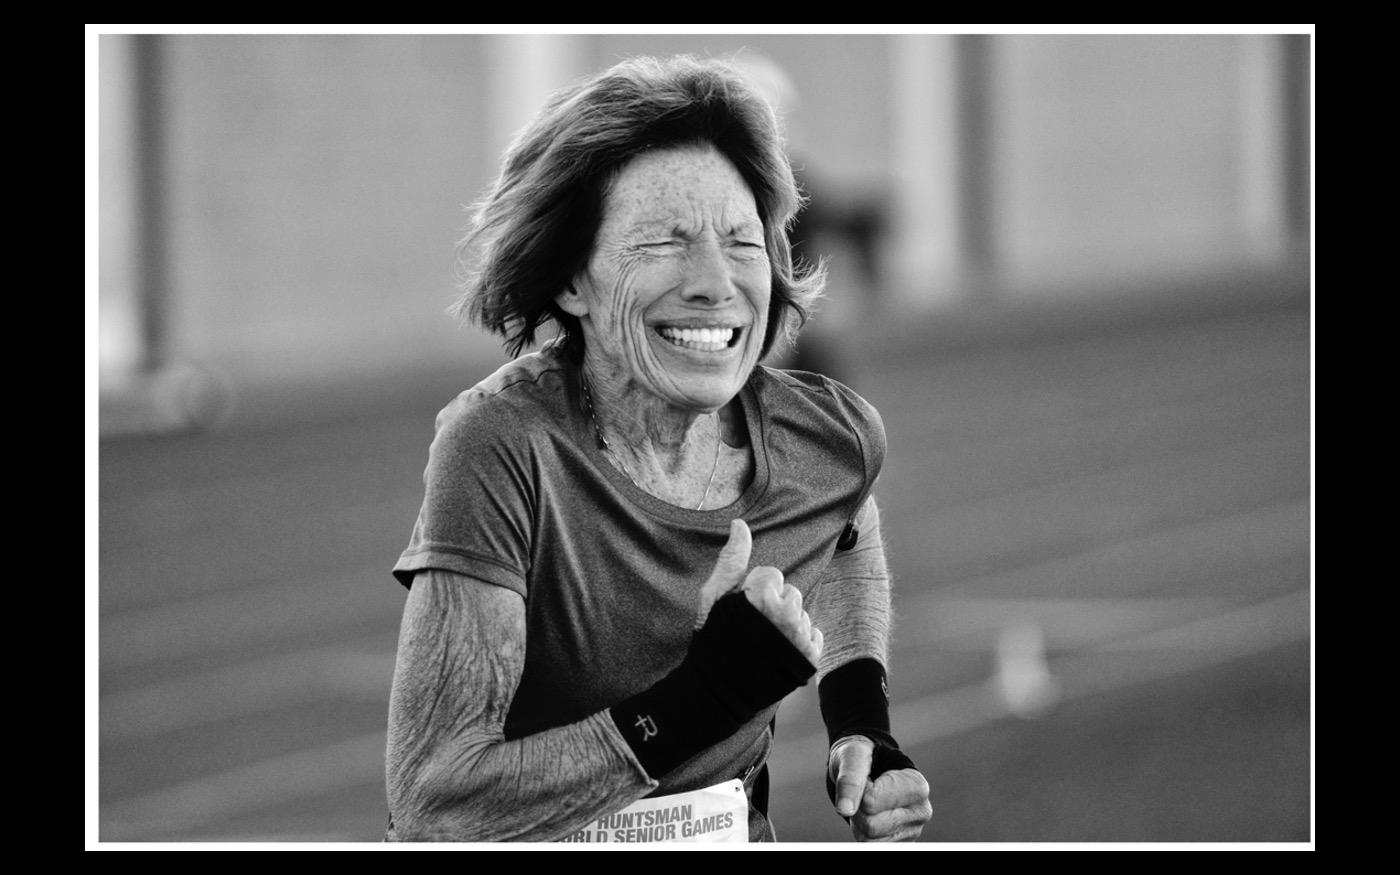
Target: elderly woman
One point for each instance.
(608, 575)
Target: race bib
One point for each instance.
(714, 814)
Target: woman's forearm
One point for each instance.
(451, 774)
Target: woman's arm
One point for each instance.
(451, 774)
(852, 607)
(853, 610)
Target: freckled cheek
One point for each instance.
(627, 309)
(759, 284)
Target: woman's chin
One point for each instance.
(703, 396)
(702, 380)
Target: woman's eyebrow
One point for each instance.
(655, 226)
(672, 227)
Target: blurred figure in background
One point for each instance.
(835, 230)
(608, 575)
(856, 227)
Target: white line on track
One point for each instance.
(1161, 560)
(227, 620)
(1193, 645)
(301, 775)
(247, 688)
(323, 674)
(970, 623)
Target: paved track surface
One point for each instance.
(1101, 543)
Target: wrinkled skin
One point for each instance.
(680, 243)
(891, 808)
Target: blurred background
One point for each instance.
(1071, 271)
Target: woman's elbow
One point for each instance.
(422, 811)
(433, 802)
(415, 802)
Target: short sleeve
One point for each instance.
(478, 496)
(869, 431)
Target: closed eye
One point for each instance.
(655, 247)
(748, 250)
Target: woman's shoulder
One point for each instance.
(820, 396)
(528, 391)
(830, 417)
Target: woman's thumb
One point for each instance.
(730, 569)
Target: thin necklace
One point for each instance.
(607, 448)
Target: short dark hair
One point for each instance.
(534, 232)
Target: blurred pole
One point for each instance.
(121, 351)
(523, 69)
(1264, 137)
(976, 163)
(144, 390)
(1275, 133)
(927, 256)
(1297, 68)
(153, 291)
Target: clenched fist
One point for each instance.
(892, 807)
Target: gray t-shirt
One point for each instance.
(519, 495)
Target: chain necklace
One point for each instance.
(607, 448)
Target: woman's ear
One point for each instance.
(571, 301)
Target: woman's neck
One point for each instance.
(686, 457)
(632, 419)
(638, 423)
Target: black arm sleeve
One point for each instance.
(855, 701)
(738, 664)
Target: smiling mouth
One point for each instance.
(701, 339)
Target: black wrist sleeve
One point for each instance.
(855, 701)
(738, 664)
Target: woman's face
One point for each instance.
(674, 301)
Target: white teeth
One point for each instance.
(712, 339)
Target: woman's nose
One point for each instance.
(709, 275)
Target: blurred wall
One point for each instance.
(316, 191)
(838, 113)
(310, 189)
(1124, 155)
